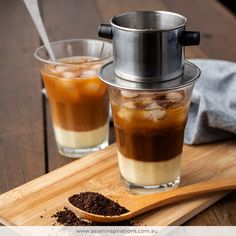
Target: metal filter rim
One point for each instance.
(190, 74)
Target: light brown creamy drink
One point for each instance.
(149, 134)
(78, 101)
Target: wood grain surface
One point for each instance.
(27, 144)
(35, 202)
(21, 120)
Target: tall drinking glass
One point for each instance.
(149, 128)
(78, 100)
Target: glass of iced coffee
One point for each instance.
(78, 99)
(149, 128)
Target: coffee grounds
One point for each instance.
(96, 203)
(68, 218)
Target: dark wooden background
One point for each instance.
(27, 144)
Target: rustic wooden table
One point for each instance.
(27, 144)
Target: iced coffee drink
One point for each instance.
(149, 131)
(150, 86)
(79, 104)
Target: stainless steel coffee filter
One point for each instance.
(148, 45)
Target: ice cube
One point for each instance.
(174, 96)
(88, 73)
(154, 115)
(92, 87)
(129, 105)
(152, 106)
(127, 94)
(68, 75)
(125, 114)
(58, 69)
(149, 104)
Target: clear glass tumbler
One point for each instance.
(78, 100)
(149, 128)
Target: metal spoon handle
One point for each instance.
(32, 6)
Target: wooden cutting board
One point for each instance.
(36, 201)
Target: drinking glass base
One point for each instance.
(139, 189)
(80, 152)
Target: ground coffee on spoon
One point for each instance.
(97, 204)
(94, 203)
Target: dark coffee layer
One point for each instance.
(154, 148)
(150, 135)
(80, 116)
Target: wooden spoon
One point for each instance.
(146, 203)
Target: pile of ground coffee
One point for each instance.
(96, 203)
(68, 218)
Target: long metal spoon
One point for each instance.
(32, 6)
(144, 203)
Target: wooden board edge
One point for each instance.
(5, 222)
